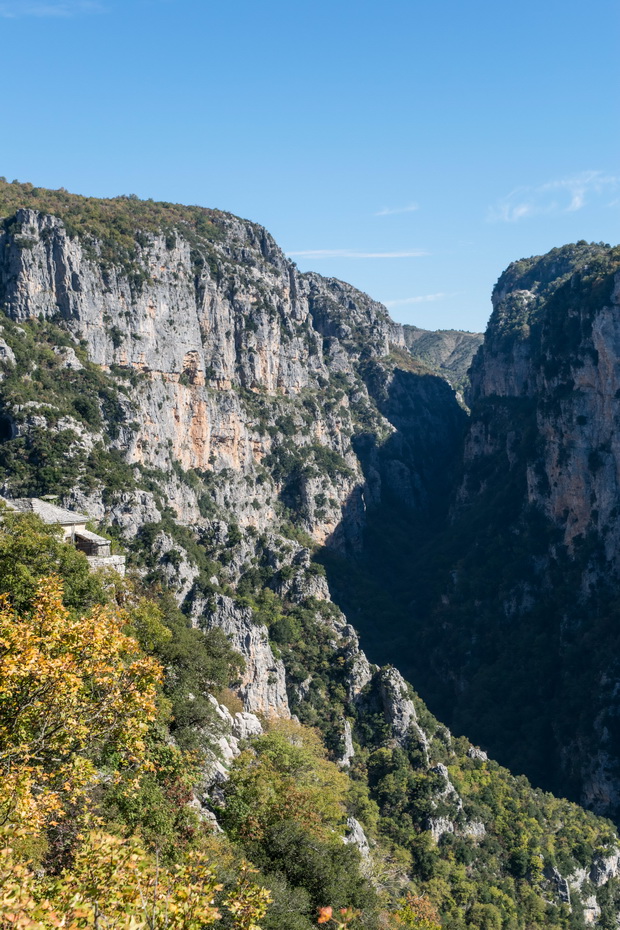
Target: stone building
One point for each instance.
(73, 525)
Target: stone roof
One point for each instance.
(92, 537)
(49, 513)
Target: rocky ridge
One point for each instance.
(553, 349)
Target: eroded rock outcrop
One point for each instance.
(399, 709)
(357, 837)
(263, 684)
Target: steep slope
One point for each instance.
(168, 371)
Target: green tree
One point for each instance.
(31, 550)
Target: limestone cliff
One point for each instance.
(554, 341)
(229, 395)
(524, 634)
(235, 358)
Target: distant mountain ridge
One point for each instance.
(448, 352)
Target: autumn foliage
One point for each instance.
(286, 776)
(70, 688)
(95, 826)
(115, 883)
(417, 912)
(78, 698)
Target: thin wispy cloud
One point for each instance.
(422, 299)
(59, 9)
(351, 253)
(564, 195)
(391, 211)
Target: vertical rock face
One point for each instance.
(554, 342)
(229, 350)
(248, 317)
(349, 750)
(531, 593)
(186, 329)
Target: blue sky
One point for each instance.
(411, 148)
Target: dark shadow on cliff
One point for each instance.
(500, 649)
(410, 480)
